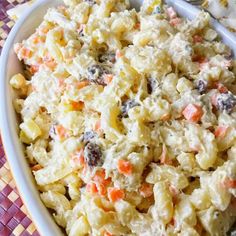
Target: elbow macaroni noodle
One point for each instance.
(129, 119)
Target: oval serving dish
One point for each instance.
(10, 65)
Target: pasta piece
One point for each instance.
(57, 202)
(166, 172)
(163, 202)
(185, 213)
(80, 227)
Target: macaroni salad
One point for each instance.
(129, 120)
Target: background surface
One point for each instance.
(14, 219)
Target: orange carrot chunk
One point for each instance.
(124, 167)
(146, 190)
(82, 84)
(26, 53)
(91, 188)
(229, 183)
(115, 194)
(102, 190)
(100, 177)
(60, 131)
(77, 106)
(78, 157)
(193, 113)
(221, 131)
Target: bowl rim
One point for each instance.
(38, 212)
(28, 192)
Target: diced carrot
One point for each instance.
(78, 157)
(26, 53)
(118, 54)
(77, 106)
(106, 233)
(115, 194)
(124, 167)
(171, 12)
(229, 183)
(36, 39)
(221, 131)
(175, 21)
(82, 84)
(33, 69)
(146, 190)
(36, 167)
(60, 131)
(102, 190)
(44, 29)
(197, 39)
(192, 112)
(100, 177)
(108, 78)
(91, 188)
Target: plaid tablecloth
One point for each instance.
(14, 219)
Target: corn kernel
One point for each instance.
(18, 81)
(31, 129)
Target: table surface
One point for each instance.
(14, 219)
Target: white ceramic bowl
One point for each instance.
(9, 128)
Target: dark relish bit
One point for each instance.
(151, 84)
(93, 155)
(87, 136)
(96, 74)
(107, 57)
(126, 106)
(90, 2)
(226, 102)
(201, 86)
